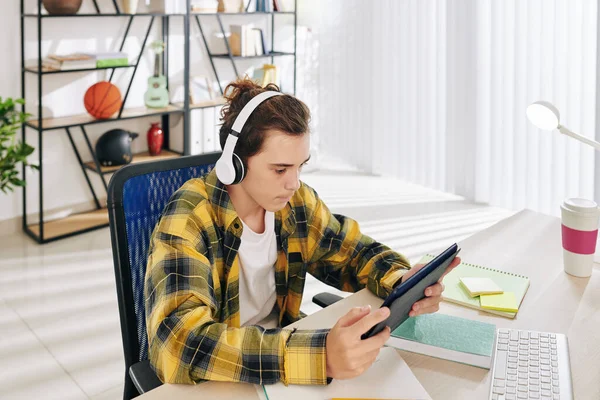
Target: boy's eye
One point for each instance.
(280, 171)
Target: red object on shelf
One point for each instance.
(155, 138)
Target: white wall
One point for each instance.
(65, 188)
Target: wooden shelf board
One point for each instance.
(72, 223)
(47, 70)
(86, 119)
(205, 104)
(137, 158)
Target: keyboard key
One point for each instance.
(511, 384)
(502, 347)
(503, 341)
(513, 347)
(511, 390)
(554, 364)
(534, 376)
(555, 377)
(546, 393)
(494, 396)
(554, 358)
(545, 368)
(555, 383)
(534, 382)
(509, 372)
(534, 369)
(524, 334)
(522, 395)
(556, 397)
(545, 373)
(544, 335)
(512, 365)
(498, 390)
(534, 388)
(534, 363)
(534, 395)
(552, 335)
(523, 375)
(522, 382)
(534, 347)
(499, 382)
(500, 365)
(545, 379)
(556, 389)
(512, 353)
(522, 389)
(533, 335)
(525, 364)
(514, 335)
(546, 386)
(511, 377)
(510, 396)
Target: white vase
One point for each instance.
(130, 6)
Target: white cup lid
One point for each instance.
(581, 205)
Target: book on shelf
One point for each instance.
(68, 62)
(204, 6)
(246, 40)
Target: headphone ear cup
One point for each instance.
(240, 171)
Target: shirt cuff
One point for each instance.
(304, 358)
(392, 279)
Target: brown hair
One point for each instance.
(283, 113)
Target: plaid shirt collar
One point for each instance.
(285, 219)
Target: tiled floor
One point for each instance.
(59, 323)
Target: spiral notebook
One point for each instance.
(455, 293)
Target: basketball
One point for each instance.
(102, 100)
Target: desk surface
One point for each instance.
(527, 243)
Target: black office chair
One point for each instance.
(137, 195)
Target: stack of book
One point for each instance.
(68, 62)
(75, 61)
(245, 40)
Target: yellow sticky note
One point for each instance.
(500, 302)
(480, 286)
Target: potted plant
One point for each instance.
(12, 153)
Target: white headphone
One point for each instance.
(230, 168)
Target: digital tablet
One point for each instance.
(402, 298)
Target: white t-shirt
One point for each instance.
(257, 256)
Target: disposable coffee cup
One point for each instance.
(579, 235)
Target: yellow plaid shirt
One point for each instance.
(191, 287)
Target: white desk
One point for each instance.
(527, 243)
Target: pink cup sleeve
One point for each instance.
(579, 242)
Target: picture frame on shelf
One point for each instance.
(201, 89)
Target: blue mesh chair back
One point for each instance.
(137, 197)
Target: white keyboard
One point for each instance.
(530, 365)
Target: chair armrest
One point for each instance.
(143, 377)
(326, 299)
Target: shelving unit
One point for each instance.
(44, 231)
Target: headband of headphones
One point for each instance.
(230, 169)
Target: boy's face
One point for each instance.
(274, 173)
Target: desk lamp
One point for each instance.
(579, 216)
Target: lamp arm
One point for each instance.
(583, 139)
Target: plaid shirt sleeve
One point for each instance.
(187, 342)
(341, 256)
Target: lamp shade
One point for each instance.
(543, 115)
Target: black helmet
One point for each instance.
(114, 147)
